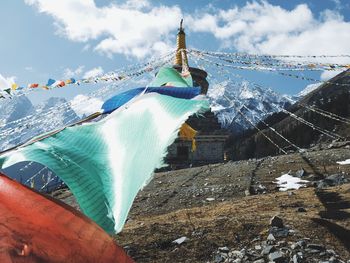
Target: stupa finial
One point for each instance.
(181, 46)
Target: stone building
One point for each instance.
(210, 144)
(210, 138)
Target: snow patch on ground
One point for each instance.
(344, 162)
(216, 108)
(180, 240)
(287, 182)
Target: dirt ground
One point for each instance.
(236, 224)
(216, 205)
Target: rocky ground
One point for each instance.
(223, 212)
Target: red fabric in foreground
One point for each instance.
(38, 228)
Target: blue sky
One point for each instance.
(53, 39)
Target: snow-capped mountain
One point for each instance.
(308, 89)
(14, 109)
(10, 112)
(229, 98)
(226, 98)
(60, 114)
(21, 121)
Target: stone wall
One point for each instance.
(207, 151)
(210, 142)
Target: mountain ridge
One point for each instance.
(331, 96)
(228, 98)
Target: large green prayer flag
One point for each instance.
(171, 77)
(106, 163)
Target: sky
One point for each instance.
(43, 39)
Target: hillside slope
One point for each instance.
(216, 206)
(329, 97)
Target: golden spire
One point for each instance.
(181, 47)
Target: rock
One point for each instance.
(300, 173)
(311, 177)
(218, 258)
(259, 261)
(270, 237)
(335, 260)
(279, 232)
(277, 257)
(301, 243)
(257, 247)
(224, 249)
(330, 252)
(281, 243)
(198, 233)
(332, 180)
(180, 240)
(276, 221)
(256, 239)
(321, 184)
(294, 246)
(238, 254)
(268, 249)
(291, 231)
(301, 210)
(312, 251)
(257, 189)
(210, 199)
(335, 179)
(316, 247)
(296, 258)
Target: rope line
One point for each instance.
(112, 76)
(256, 127)
(313, 126)
(100, 91)
(247, 119)
(327, 114)
(275, 131)
(300, 119)
(268, 126)
(28, 119)
(272, 70)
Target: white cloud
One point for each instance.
(338, 4)
(259, 27)
(254, 20)
(327, 75)
(93, 73)
(6, 82)
(136, 28)
(136, 4)
(84, 105)
(70, 73)
(133, 29)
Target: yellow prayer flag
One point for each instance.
(14, 86)
(188, 133)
